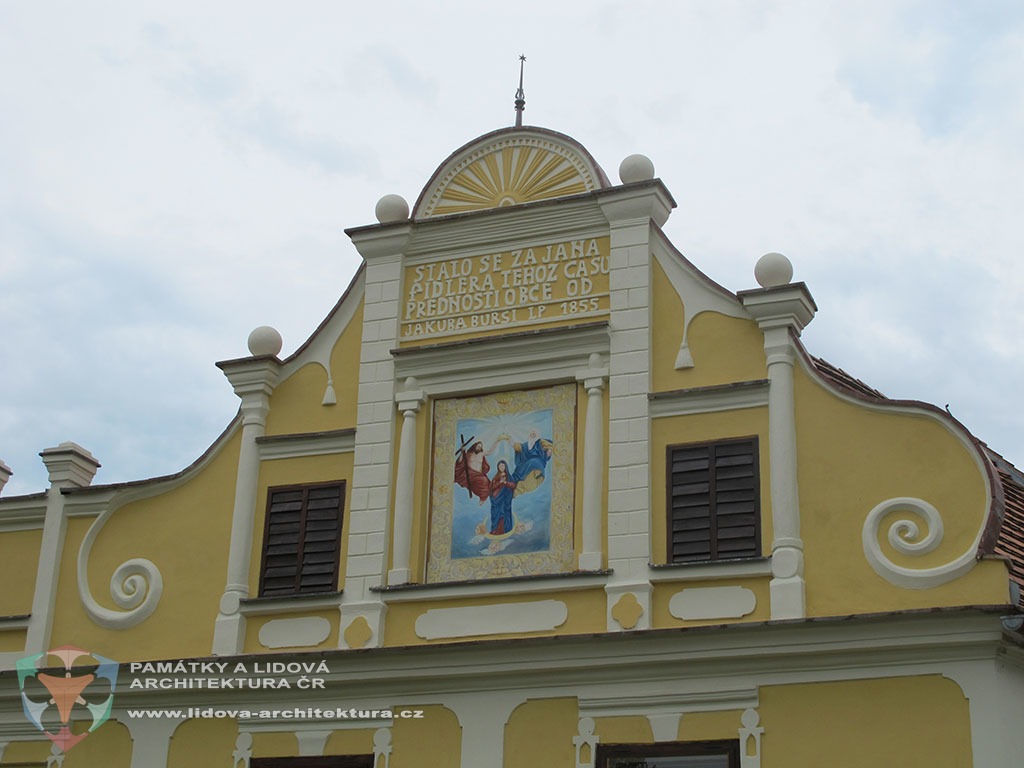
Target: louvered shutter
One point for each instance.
(714, 501)
(302, 541)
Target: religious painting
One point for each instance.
(503, 485)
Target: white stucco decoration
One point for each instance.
(242, 755)
(750, 734)
(391, 208)
(513, 618)
(636, 168)
(295, 633)
(773, 270)
(136, 585)
(697, 296)
(712, 603)
(904, 535)
(264, 341)
(585, 743)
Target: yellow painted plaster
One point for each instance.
(710, 726)
(586, 615)
(699, 428)
(624, 730)
(27, 753)
(306, 469)
(663, 592)
(12, 641)
(350, 742)
(184, 532)
(435, 741)
(255, 623)
(295, 405)
(109, 745)
(850, 459)
(18, 566)
(724, 349)
(539, 733)
(866, 723)
(208, 741)
(281, 744)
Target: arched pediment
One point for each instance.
(509, 167)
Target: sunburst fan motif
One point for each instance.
(509, 176)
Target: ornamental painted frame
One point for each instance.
(447, 517)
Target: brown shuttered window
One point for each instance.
(302, 539)
(714, 509)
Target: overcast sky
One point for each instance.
(173, 174)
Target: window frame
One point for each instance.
(305, 488)
(754, 441)
(729, 748)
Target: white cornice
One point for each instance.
(676, 702)
(313, 444)
(14, 623)
(501, 229)
(24, 513)
(523, 359)
(724, 397)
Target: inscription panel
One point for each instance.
(552, 283)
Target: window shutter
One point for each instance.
(714, 506)
(302, 541)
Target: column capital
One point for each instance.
(410, 400)
(69, 464)
(252, 377)
(636, 204)
(788, 306)
(380, 240)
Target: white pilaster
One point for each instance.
(382, 248)
(409, 403)
(253, 380)
(782, 312)
(151, 740)
(483, 717)
(69, 466)
(631, 216)
(593, 378)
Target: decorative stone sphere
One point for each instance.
(636, 168)
(773, 270)
(264, 341)
(391, 208)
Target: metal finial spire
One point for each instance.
(520, 95)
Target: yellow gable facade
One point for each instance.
(537, 492)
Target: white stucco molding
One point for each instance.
(904, 534)
(273, 447)
(482, 620)
(319, 347)
(711, 399)
(136, 584)
(266, 606)
(722, 569)
(531, 585)
(647, 704)
(697, 292)
(531, 358)
(22, 513)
